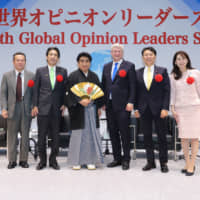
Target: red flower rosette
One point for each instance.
(190, 80)
(31, 83)
(59, 78)
(122, 73)
(158, 78)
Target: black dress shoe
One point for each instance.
(149, 166)
(190, 173)
(12, 165)
(183, 171)
(125, 165)
(164, 168)
(114, 163)
(54, 165)
(23, 164)
(40, 166)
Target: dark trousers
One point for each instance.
(118, 126)
(48, 125)
(161, 129)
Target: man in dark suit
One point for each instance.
(153, 94)
(118, 82)
(48, 101)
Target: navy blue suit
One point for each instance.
(122, 90)
(49, 102)
(150, 103)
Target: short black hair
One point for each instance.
(53, 48)
(19, 53)
(84, 54)
(150, 49)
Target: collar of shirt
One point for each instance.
(50, 67)
(86, 74)
(119, 63)
(151, 67)
(17, 72)
(113, 65)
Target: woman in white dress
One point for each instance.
(185, 107)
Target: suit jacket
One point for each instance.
(158, 97)
(44, 97)
(123, 89)
(76, 110)
(8, 92)
(184, 94)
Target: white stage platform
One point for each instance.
(101, 184)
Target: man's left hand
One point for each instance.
(129, 107)
(164, 113)
(62, 108)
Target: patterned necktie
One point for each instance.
(149, 78)
(19, 87)
(114, 71)
(52, 77)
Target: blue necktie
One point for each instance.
(114, 71)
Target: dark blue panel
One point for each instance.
(193, 4)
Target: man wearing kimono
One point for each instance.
(85, 141)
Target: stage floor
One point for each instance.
(101, 184)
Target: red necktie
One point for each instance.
(19, 88)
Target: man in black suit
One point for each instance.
(48, 100)
(153, 94)
(118, 82)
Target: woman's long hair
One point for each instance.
(176, 71)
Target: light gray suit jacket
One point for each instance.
(8, 93)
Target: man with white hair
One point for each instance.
(119, 83)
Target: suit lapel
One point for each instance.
(82, 76)
(13, 80)
(89, 77)
(25, 81)
(109, 72)
(57, 72)
(141, 77)
(153, 79)
(46, 74)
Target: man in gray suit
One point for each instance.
(16, 105)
